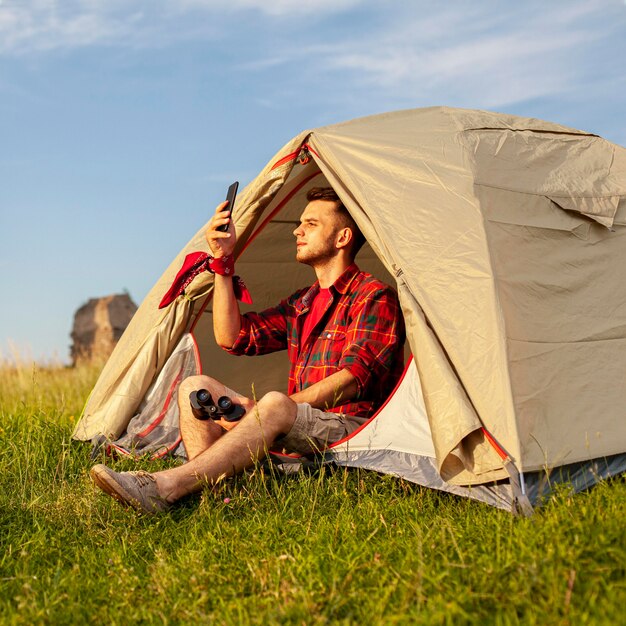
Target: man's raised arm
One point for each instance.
(226, 314)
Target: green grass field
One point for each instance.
(336, 547)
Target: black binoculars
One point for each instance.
(204, 408)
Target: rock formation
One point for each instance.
(98, 325)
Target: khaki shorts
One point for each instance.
(315, 430)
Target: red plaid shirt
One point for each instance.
(362, 330)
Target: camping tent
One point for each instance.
(504, 237)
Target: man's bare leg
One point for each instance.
(199, 435)
(237, 450)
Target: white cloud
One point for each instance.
(484, 55)
(500, 68)
(42, 25)
(488, 54)
(276, 8)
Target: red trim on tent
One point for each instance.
(166, 404)
(369, 421)
(113, 447)
(290, 157)
(196, 353)
(293, 155)
(503, 455)
(254, 236)
(166, 450)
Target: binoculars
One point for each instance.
(204, 408)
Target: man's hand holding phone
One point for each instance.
(221, 235)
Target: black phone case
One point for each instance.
(230, 198)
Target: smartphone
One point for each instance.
(230, 198)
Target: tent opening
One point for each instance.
(268, 266)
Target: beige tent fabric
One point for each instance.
(505, 236)
(565, 309)
(549, 203)
(464, 457)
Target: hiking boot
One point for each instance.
(137, 489)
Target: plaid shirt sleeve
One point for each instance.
(374, 336)
(264, 332)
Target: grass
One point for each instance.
(336, 547)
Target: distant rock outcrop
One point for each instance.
(98, 325)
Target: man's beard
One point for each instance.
(316, 256)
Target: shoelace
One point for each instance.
(144, 478)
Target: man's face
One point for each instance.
(315, 237)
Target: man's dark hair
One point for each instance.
(330, 195)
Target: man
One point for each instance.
(344, 337)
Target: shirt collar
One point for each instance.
(345, 280)
(341, 285)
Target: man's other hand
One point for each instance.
(221, 243)
(247, 403)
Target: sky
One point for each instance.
(122, 122)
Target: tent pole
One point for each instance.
(521, 503)
(522, 483)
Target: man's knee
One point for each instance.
(278, 409)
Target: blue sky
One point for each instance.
(123, 121)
